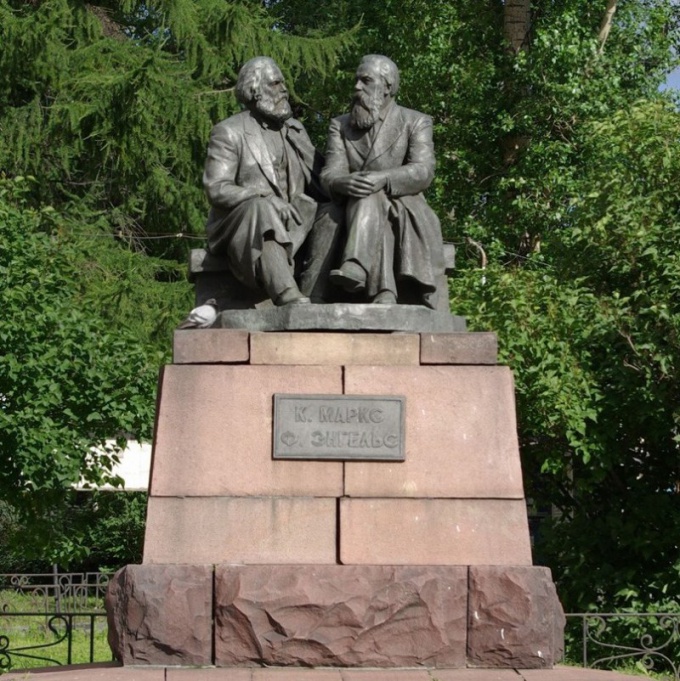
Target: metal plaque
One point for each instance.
(339, 427)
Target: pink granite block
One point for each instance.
(515, 618)
(161, 614)
(210, 346)
(88, 673)
(461, 433)
(434, 532)
(214, 433)
(576, 674)
(458, 348)
(206, 530)
(337, 615)
(299, 348)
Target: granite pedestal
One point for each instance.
(252, 561)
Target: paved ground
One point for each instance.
(115, 673)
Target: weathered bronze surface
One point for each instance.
(261, 178)
(288, 227)
(386, 246)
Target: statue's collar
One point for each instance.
(385, 112)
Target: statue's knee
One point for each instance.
(263, 207)
(370, 200)
(373, 207)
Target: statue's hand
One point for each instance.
(286, 211)
(357, 185)
(378, 180)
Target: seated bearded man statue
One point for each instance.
(386, 244)
(261, 179)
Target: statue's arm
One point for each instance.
(336, 164)
(416, 174)
(221, 168)
(315, 162)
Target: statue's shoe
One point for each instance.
(350, 276)
(291, 296)
(385, 298)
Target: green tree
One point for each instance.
(558, 155)
(107, 108)
(72, 384)
(580, 226)
(96, 531)
(110, 105)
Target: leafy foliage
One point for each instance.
(590, 325)
(116, 529)
(70, 381)
(560, 160)
(94, 531)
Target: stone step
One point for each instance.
(113, 672)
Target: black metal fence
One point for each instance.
(52, 619)
(648, 641)
(44, 639)
(54, 592)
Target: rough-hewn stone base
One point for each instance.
(161, 614)
(514, 618)
(373, 616)
(335, 616)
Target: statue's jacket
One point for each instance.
(240, 169)
(403, 149)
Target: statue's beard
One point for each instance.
(278, 110)
(365, 110)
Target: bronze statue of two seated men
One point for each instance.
(356, 224)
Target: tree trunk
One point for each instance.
(516, 27)
(516, 23)
(606, 25)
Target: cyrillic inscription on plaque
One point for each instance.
(364, 427)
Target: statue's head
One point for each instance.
(376, 84)
(385, 67)
(260, 87)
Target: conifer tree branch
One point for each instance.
(215, 92)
